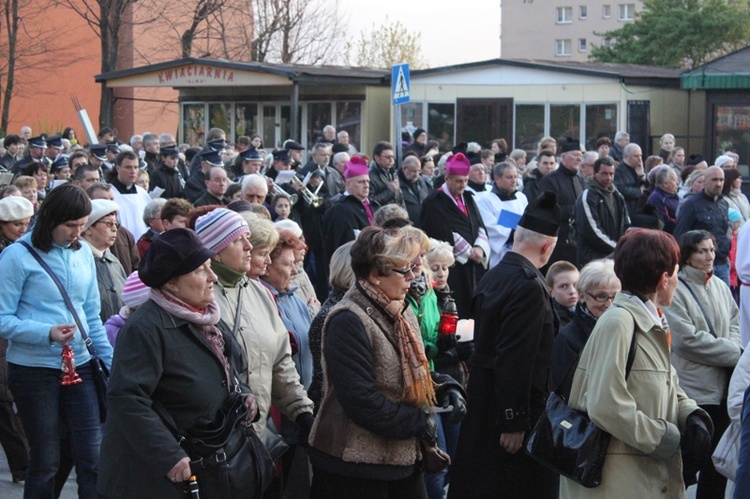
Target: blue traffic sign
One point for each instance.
(400, 83)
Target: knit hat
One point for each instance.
(542, 215)
(289, 225)
(457, 164)
(135, 293)
(15, 208)
(355, 167)
(417, 133)
(734, 215)
(239, 206)
(722, 160)
(174, 253)
(218, 228)
(100, 208)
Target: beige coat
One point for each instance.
(273, 377)
(643, 414)
(698, 357)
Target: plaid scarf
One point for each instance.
(418, 385)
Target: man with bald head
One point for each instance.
(708, 211)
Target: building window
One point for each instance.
(349, 118)
(441, 124)
(529, 127)
(626, 11)
(562, 47)
(564, 15)
(583, 12)
(564, 121)
(601, 121)
(193, 123)
(582, 46)
(606, 11)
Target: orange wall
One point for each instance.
(43, 99)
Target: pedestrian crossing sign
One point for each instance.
(400, 83)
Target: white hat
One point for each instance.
(100, 208)
(15, 208)
(722, 160)
(289, 225)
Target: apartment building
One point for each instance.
(560, 29)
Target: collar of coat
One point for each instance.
(503, 195)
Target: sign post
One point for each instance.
(401, 91)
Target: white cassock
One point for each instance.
(500, 218)
(743, 273)
(131, 210)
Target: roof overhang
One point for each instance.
(715, 81)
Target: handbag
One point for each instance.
(101, 373)
(227, 457)
(727, 453)
(568, 442)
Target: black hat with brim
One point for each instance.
(174, 253)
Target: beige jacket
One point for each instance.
(643, 414)
(272, 375)
(698, 357)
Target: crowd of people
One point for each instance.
(327, 294)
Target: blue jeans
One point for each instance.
(48, 411)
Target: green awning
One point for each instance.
(715, 81)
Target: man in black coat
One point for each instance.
(352, 211)
(567, 184)
(514, 332)
(630, 178)
(384, 182)
(449, 214)
(168, 176)
(413, 187)
(600, 214)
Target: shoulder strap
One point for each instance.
(700, 305)
(65, 297)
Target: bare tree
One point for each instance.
(108, 19)
(388, 44)
(203, 10)
(27, 49)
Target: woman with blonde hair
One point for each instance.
(377, 385)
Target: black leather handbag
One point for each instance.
(227, 457)
(568, 442)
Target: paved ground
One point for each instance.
(10, 490)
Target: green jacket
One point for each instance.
(428, 316)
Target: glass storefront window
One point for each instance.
(441, 124)
(564, 122)
(245, 119)
(732, 132)
(318, 116)
(220, 116)
(529, 127)
(269, 127)
(411, 116)
(285, 123)
(193, 124)
(349, 118)
(601, 121)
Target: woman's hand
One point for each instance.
(62, 333)
(252, 405)
(180, 472)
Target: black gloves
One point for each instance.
(454, 398)
(446, 342)
(429, 432)
(695, 446)
(304, 423)
(464, 349)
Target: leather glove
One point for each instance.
(429, 433)
(446, 342)
(695, 446)
(304, 423)
(464, 349)
(453, 397)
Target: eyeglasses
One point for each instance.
(110, 225)
(601, 298)
(405, 271)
